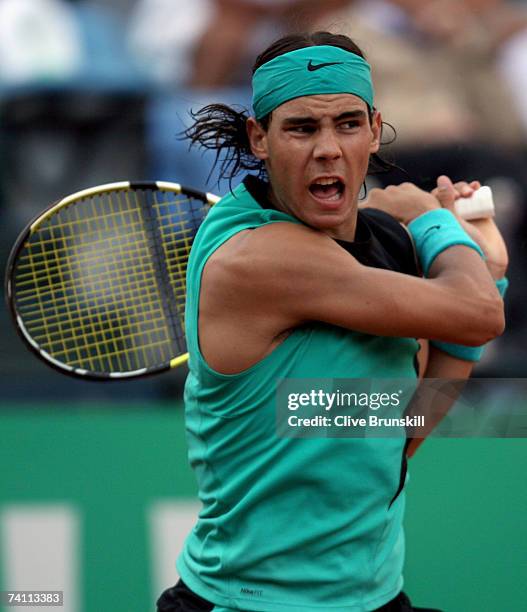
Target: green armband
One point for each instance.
(502, 285)
(469, 353)
(435, 231)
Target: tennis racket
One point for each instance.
(96, 283)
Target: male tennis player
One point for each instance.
(287, 278)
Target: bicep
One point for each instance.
(291, 274)
(376, 301)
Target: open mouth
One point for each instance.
(329, 189)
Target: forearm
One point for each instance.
(453, 259)
(446, 250)
(464, 272)
(462, 275)
(486, 233)
(443, 366)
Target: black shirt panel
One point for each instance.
(380, 240)
(258, 189)
(388, 246)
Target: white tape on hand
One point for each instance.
(480, 205)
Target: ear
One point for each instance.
(376, 129)
(257, 139)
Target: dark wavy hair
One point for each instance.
(220, 128)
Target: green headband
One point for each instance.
(307, 72)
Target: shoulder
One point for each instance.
(275, 246)
(273, 266)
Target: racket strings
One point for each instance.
(100, 240)
(92, 309)
(127, 335)
(176, 244)
(89, 291)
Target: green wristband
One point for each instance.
(435, 231)
(469, 353)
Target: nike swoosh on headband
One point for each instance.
(312, 67)
(299, 73)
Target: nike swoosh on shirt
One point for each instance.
(312, 67)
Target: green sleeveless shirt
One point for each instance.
(287, 524)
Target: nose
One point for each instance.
(327, 145)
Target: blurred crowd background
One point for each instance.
(95, 91)
(95, 493)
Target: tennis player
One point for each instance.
(288, 278)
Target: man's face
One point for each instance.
(316, 151)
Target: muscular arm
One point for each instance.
(260, 284)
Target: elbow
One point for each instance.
(498, 318)
(491, 322)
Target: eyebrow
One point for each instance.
(356, 114)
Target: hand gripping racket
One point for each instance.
(96, 283)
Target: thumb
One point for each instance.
(445, 192)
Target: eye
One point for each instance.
(349, 125)
(301, 129)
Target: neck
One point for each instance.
(346, 231)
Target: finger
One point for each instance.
(464, 189)
(445, 192)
